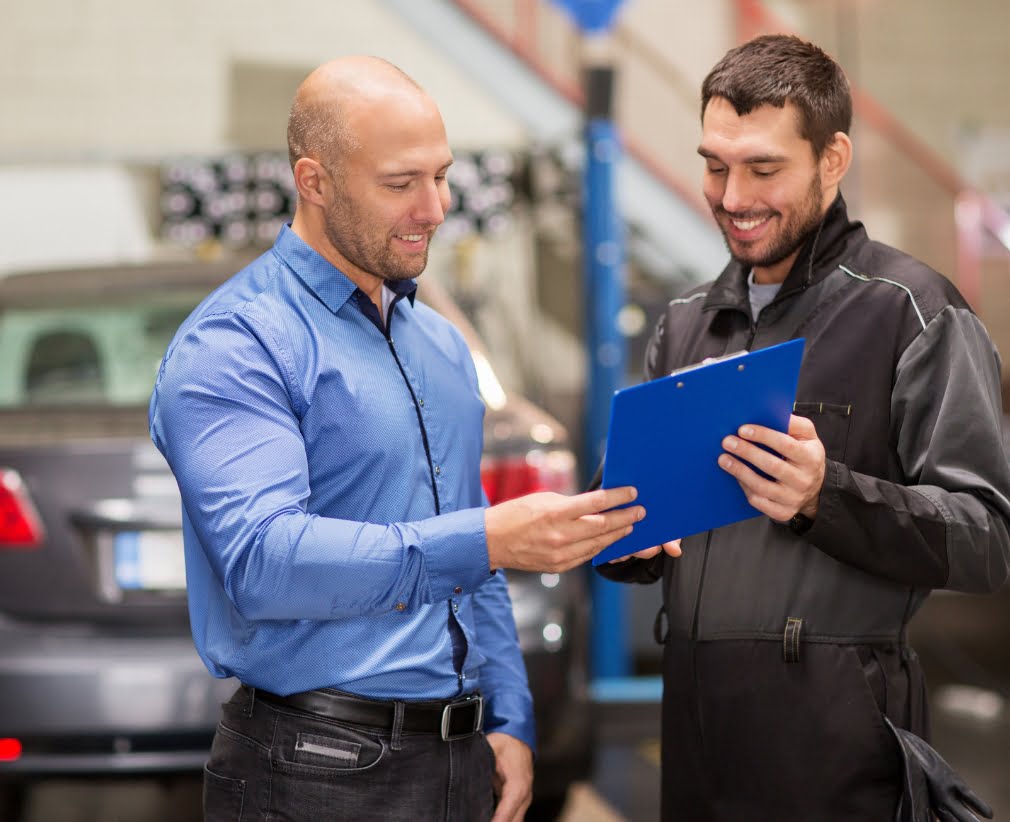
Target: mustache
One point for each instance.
(743, 215)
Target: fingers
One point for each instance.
(671, 548)
(602, 499)
(512, 805)
(513, 777)
(795, 471)
(552, 533)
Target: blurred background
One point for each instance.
(145, 135)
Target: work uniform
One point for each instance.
(785, 643)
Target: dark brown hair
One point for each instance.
(776, 69)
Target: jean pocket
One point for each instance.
(831, 421)
(321, 747)
(326, 751)
(223, 797)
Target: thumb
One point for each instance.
(801, 428)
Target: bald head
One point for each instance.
(321, 124)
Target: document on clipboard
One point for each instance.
(665, 438)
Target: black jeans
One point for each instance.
(271, 762)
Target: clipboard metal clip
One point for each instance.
(708, 361)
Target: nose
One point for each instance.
(431, 203)
(737, 196)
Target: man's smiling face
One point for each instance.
(763, 184)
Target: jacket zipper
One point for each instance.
(417, 410)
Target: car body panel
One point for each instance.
(97, 676)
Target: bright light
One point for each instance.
(10, 749)
(631, 320)
(977, 703)
(552, 632)
(1004, 235)
(541, 432)
(487, 383)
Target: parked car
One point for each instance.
(98, 674)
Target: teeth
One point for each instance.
(747, 225)
(413, 238)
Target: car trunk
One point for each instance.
(111, 547)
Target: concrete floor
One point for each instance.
(625, 785)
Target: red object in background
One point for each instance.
(20, 526)
(506, 478)
(10, 749)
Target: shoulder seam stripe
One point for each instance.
(692, 298)
(904, 288)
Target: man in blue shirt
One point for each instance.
(325, 431)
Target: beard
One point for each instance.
(791, 235)
(368, 246)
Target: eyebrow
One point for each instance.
(754, 160)
(412, 172)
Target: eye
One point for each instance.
(397, 186)
(716, 170)
(761, 172)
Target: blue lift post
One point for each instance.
(603, 262)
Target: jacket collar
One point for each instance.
(814, 262)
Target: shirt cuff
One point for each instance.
(455, 553)
(511, 713)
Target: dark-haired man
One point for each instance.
(788, 680)
(325, 431)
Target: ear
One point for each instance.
(836, 159)
(310, 180)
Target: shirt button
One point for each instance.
(455, 608)
(438, 470)
(457, 590)
(421, 402)
(400, 606)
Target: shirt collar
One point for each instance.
(327, 281)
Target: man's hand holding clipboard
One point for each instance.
(669, 437)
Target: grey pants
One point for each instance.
(270, 762)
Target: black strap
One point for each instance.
(791, 639)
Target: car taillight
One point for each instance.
(20, 526)
(10, 749)
(514, 476)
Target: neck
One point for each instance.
(772, 274)
(312, 233)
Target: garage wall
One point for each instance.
(138, 77)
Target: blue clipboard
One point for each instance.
(665, 438)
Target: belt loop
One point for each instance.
(394, 741)
(791, 639)
(251, 703)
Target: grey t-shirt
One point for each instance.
(760, 295)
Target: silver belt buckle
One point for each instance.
(469, 703)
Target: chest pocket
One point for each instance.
(832, 424)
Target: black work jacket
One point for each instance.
(903, 386)
(785, 650)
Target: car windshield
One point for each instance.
(81, 354)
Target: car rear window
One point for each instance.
(59, 356)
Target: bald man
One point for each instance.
(325, 430)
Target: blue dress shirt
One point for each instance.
(332, 506)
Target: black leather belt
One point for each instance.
(453, 719)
